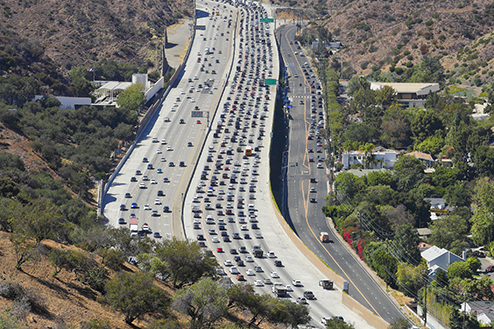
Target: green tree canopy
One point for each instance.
(134, 294)
(132, 98)
(450, 232)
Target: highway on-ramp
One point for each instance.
(307, 180)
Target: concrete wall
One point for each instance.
(69, 103)
(154, 89)
(363, 312)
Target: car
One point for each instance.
(166, 119)
(249, 272)
(158, 151)
(145, 160)
(182, 121)
(133, 205)
(248, 259)
(145, 227)
(159, 171)
(169, 148)
(278, 263)
(166, 180)
(274, 275)
(227, 262)
(271, 254)
(258, 235)
(163, 160)
(212, 231)
(234, 270)
(157, 235)
(150, 166)
(157, 202)
(198, 122)
(182, 164)
(153, 182)
(189, 144)
(489, 269)
(301, 300)
(233, 251)
(138, 172)
(309, 295)
(258, 268)
(247, 236)
(147, 207)
(171, 164)
(267, 281)
(296, 283)
(166, 209)
(219, 249)
(163, 141)
(121, 221)
(133, 179)
(258, 283)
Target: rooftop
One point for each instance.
(417, 88)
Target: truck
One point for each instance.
(324, 236)
(133, 226)
(257, 251)
(326, 284)
(278, 289)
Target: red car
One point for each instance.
(219, 249)
(198, 122)
(489, 269)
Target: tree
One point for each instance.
(15, 90)
(24, 248)
(464, 270)
(450, 232)
(134, 294)
(187, 263)
(205, 302)
(348, 186)
(289, 313)
(400, 324)
(356, 83)
(483, 220)
(385, 96)
(407, 241)
(425, 124)
(409, 172)
(259, 306)
(336, 323)
(411, 278)
(132, 98)
(432, 145)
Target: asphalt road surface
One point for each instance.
(305, 199)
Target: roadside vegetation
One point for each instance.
(378, 213)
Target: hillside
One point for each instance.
(379, 35)
(74, 32)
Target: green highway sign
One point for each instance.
(270, 81)
(266, 20)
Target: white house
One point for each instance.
(440, 258)
(378, 159)
(483, 309)
(409, 94)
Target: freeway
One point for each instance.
(150, 185)
(230, 216)
(307, 180)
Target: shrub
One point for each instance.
(11, 291)
(96, 278)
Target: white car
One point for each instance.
(215, 240)
(228, 262)
(249, 272)
(234, 270)
(249, 259)
(163, 160)
(169, 148)
(296, 283)
(153, 181)
(288, 288)
(158, 151)
(243, 227)
(274, 275)
(146, 207)
(258, 283)
(142, 185)
(258, 269)
(271, 254)
(163, 141)
(157, 202)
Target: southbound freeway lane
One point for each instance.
(307, 179)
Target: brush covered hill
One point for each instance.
(73, 32)
(384, 35)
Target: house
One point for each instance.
(483, 309)
(440, 258)
(436, 203)
(424, 233)
(376, 160)
(409, 94)
(424, 157)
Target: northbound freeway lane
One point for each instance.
(307, 182)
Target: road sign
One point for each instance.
(266, 20)
(269, 81)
